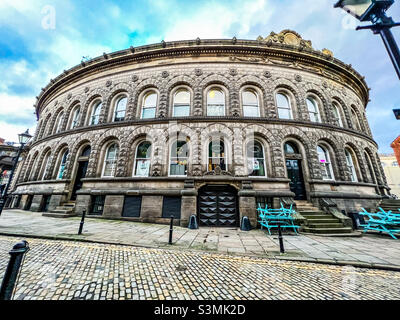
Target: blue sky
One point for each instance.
(30, 54)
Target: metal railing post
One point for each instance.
(10, 278)
(281, 247)
(171, 229)
(82, 222)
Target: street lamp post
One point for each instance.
(375, 11)
(23, 140)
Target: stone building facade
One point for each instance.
(203, 127)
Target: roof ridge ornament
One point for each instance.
(288, 37)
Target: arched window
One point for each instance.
(149, 105)
(34, 168)
(255, 159)
(59, 122)
(215, 103)
(110, 161)
(313, 110)
(250, 104)
(181, 106)
(325, 162)
(370, 171)
(120, 109)
(61, 169)
(337, 114)
(45, 165)
(284, 107)
(86, 151)
(351, 162)
(143, 159)
(179, 159)
(94, 119)
(216, 155)
(356, 122)
(291, 148)
(75, 117)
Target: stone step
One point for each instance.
(342, 230)
(327, 220)
(58, 215)
(313, 213)
(307, 209)
(316, 216)
(325, 225)
(61, 211)
(64, 208)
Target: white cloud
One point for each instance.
(215, 20)
(16, 106)
(17, 115)
(68, 51)
(10, 132)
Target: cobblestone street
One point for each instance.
(63, 270)
(369, 250)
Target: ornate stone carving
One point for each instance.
(233, 72)
(288, 37)
(198, 72)
(165, 74)
(218, 172)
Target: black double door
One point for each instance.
(295, 174)
(218, 207)
(80, 174)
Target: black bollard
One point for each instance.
(10, 278)
(245, 225)
(171, 229)
(82, 222)
(193, 223)
(282, 248)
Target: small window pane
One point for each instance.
(251, 111)
(255, 159)
(149, 113)
(250, 97)
(282, 101)
(120, 110)
(215, 103)
(111, 161)
(284, 114)
(181, 111)
(143, 159)
(179, 159)
(182, 97)
(150, 100)
(216, 155)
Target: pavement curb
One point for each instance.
(356, 264)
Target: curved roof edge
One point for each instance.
(286, 41)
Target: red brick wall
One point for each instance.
(396, 148)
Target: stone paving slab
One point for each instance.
(368, 250)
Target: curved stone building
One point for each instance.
(203, 127)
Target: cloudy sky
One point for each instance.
(34, 47)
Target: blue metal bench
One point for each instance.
(271, 218)
(382, 221)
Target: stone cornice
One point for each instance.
(208, 48)
(184, 120)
